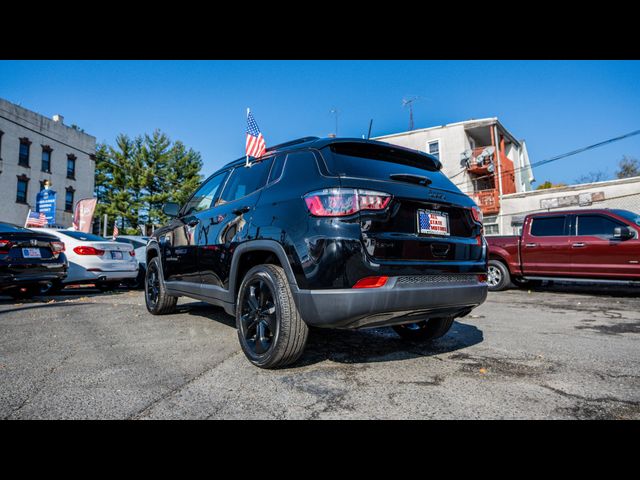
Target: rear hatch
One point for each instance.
(428, 219)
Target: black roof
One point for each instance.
(318, 143)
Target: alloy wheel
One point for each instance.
(258, 320)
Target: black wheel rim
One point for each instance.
(258, 321)
(153, 286)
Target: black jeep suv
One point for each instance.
(338, 233)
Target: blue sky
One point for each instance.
(556, 106)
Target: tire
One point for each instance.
(53, 288)
(271, 331)
(498, 277)
(158, 301)
(424, 330)
(107, 286)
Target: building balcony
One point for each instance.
(481, 160)
(488, 201)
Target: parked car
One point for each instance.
(340, 233)
(92, 259)
(575, 245)
(139, 243)
(29, 260)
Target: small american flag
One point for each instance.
(255, 141)
(36, 219)
(116, 232)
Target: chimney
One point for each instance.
(58, 118)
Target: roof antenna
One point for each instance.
(335, 111)
(409, 102)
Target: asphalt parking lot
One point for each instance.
(559, 353)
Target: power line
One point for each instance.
(559, 157)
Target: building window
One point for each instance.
(433, 148)
(71, 166)
(46, 158)
(23, 156)
(68, 200)
(491, 225)
(23, 183)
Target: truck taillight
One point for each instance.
(82, 250)
(340, 202)
(371, 282)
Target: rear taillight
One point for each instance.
(340, 202)
(482, 277)
(477, 214)
(132, 253)
(82, 250)
(5, 246)
(57, 247)
(371, 282)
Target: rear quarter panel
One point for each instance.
(507, 249)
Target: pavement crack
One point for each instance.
(588, 399)
(141, 413)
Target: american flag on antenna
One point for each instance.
(116, 232)
(255, 141)
(36, 219)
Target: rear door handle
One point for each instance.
(531, 245)
(241, 210)
(578, 245)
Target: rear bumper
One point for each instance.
(10, 280)
(395, 303)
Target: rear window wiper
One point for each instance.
(410, 178)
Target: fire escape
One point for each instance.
(484, 164)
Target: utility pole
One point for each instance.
(335, 111)
(408, 102)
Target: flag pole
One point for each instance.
(246, 163)
(27, 219)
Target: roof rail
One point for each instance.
(291, 143)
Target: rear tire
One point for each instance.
(107, 286)
(522, 283)
(158, 301)
(498, 277)
(424, 330)
(22, 293)
(271, 331)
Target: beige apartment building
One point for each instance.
(481, 157)
(34, 148)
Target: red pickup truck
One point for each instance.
(575, 245)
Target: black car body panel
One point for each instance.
(204, 254)
(16, 270)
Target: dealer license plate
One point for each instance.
(115, 255)
(433, 222)
(31, 253)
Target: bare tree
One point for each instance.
(628, 167)
(592, 177)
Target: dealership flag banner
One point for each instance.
(35, 219)
(46, 203)
(83, 215)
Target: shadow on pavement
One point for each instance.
(359, 346)
(594, 289)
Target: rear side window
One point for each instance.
(597, 225)
(548, 226)
(244, 181)
(276, 170)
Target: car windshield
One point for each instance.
(8, 228)
(85, 237)
(631, 216)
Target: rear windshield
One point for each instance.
(8, 228)
(377, 162)
(85, 237)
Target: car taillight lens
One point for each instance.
(340, 202)
(57, 247)
(5, 246)
(132, 253)
(477, 214)
(482, 277)
(371, 282)
(88, 251)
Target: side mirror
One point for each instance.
(622, 233)
(171, 209)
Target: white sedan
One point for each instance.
(93, 259)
